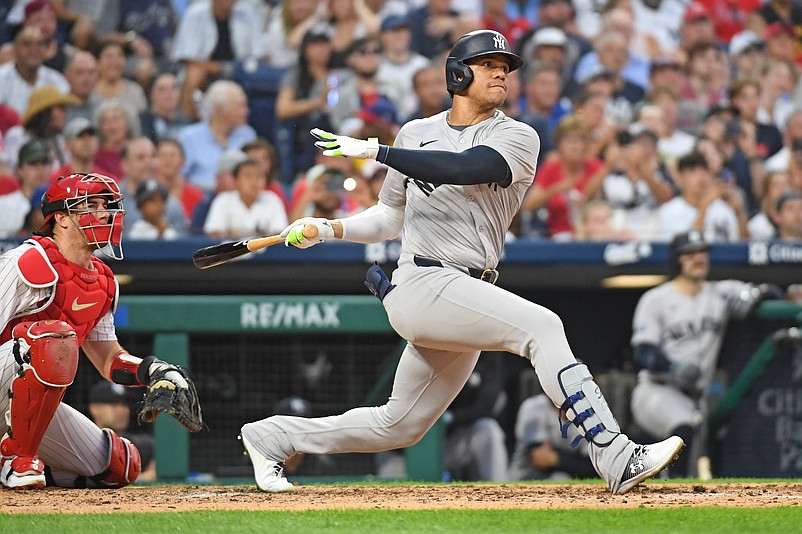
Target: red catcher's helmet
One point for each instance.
(71, 193)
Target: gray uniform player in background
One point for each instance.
(677, 332)
(456, 180)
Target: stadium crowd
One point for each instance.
(654, 116)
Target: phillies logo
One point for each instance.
(498, 42)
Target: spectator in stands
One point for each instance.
(305, 97)
(612, 54)
(697, 26)
(151, 202)
(729, 16)
(763, 226)
(765, 138)
(81, 73)
(700, 204)
(44, 118)
(598, 222)
(780, 40)
(635, 67)
(792, 131)
(541, 452)
(247, 211)
(319, 194)
(27, 72)
(358, 85)
(747, 54)
(41, 14)
(349, 21)
(549, 45)
(81, 141)
(774, 11)
(115, 127)
(430, 91)
(33, 172)
(109, 408)
(164, 118)
(262, 152)
(788, 214)
(285, 29)
(112, 85)
(89, 20)
(145, 30)
(495, 17)
(589, 106)
(225, 128)
(666, 71)
(377, 119)
(701, 89)
(211, 35)
(777, 85)
(399, 63)
(638, 183)
(565, 182)
(169, 162)
(436, 26)
(224, 181)
(673, 143)
(541, 112)
(139, 166)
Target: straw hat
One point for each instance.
(44, 98)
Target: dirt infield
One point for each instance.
(416, 497)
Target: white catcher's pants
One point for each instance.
(447, 317)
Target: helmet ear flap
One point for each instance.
(458, 75)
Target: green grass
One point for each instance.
(639, 520)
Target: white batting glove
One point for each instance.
(294, 237)
(342, 145)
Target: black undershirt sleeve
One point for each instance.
(477, 165)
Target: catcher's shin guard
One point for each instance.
(585, 407)
(47, 352)
(124, 464)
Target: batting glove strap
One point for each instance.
(342, 145)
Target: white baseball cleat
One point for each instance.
(269, 475)
(21, 473)
(646, 461)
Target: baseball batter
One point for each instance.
(55, 297)
(456, 181)
(677, 332)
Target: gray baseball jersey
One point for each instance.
(463, 225)
(689, 330)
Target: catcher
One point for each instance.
(55, 297)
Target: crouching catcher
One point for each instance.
(57, 297)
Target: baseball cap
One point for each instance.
(380, 110)
(743, 40)
(549, 37)
(106, 392)
(664, 62)
(786, 196)
(229, 160)
(36, 6)
(638, 129)
(317, 33)
(78, 126)
(778, 28)
(595, 72)
(393, 22)
(34, 151)
(695, 11)
(149, 189)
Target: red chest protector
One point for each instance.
(82, 296)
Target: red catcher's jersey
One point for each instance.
(82, 296)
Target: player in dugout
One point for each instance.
(56, 297)
(456, 180)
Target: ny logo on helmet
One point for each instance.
(499, 42)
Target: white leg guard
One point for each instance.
(622, 463)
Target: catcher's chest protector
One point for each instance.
(82, 296)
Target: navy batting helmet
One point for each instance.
(474, 44)
(690, 241)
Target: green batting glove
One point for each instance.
(342, 145)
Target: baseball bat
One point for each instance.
(215, 255)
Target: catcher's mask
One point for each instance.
(102, 227)
(474, 44)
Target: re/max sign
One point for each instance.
(282, 315)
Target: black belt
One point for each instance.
(485, 275)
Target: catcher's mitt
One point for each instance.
(170, 390)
